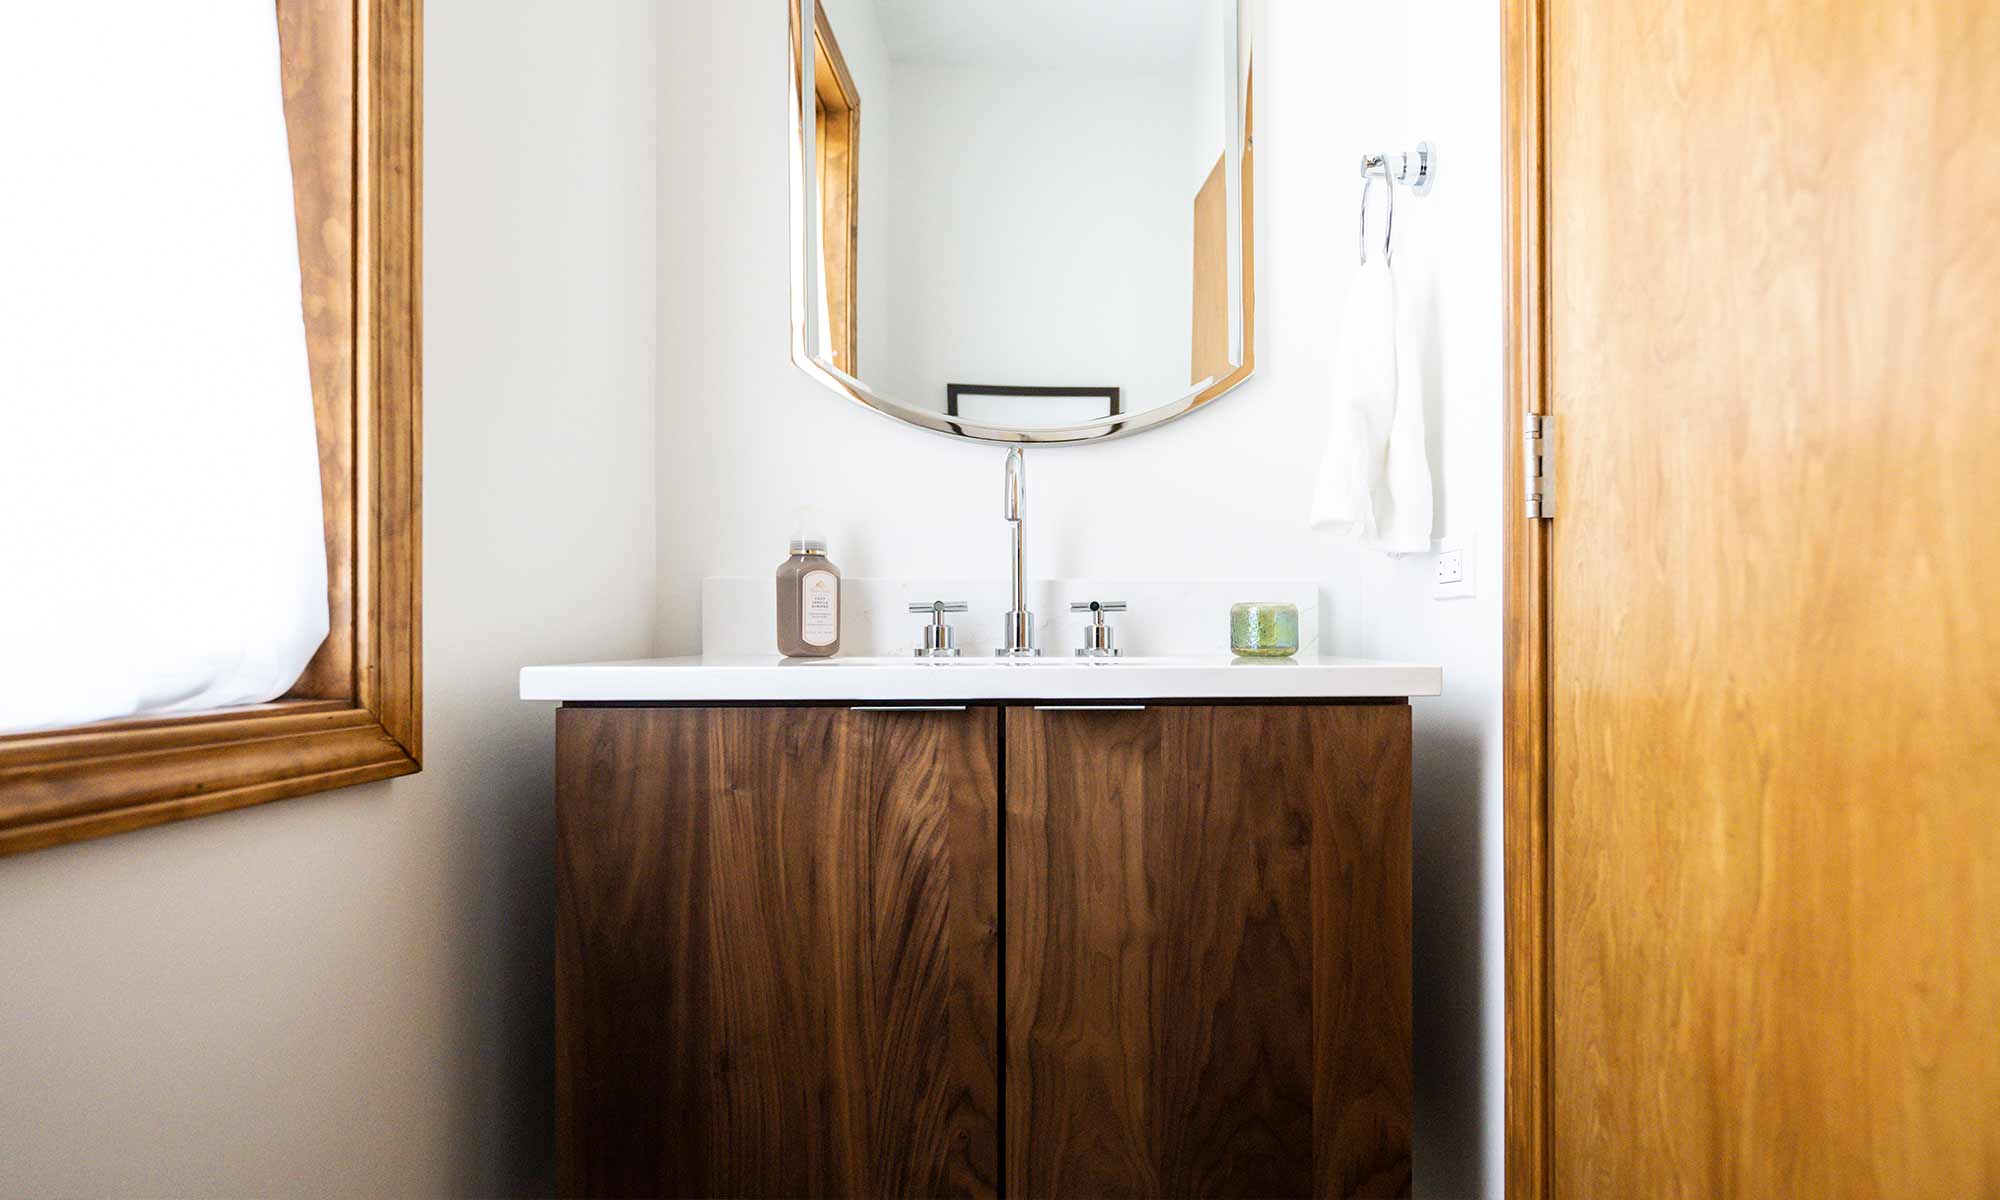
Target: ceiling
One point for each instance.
(1124, 35)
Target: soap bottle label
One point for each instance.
(819, 608)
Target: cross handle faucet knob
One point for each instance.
(1097, 642)
(940, 640)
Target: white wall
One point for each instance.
(1043, 233)
(350, 994)
(744, 438)
(1432, 71)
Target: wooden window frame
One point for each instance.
(357, 713)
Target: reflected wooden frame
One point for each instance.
(353, 97)
(838, 170)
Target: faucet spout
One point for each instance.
(1018, 632)
(1016, 513)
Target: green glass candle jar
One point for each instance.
(1264, 630)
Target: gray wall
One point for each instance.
(349, 994)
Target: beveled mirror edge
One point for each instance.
(1240, 152)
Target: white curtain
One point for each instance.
(161, 547)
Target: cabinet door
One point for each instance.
(1208, 951)
(776, 952)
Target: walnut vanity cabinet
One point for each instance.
(783, 967)
(777, 952)
(1207, 958)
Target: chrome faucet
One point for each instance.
(1017, 635)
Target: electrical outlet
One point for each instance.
(1455, 564)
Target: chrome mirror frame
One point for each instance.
(809, 340)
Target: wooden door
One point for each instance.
(777, 952)
(1773, 656)
(1208, 952)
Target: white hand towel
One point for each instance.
(1374, 486)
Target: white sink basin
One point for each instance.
(973, 678)
(995, 660)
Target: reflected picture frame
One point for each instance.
(976, 400)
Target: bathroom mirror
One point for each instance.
(1023, 221)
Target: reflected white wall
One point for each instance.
(1043, 232)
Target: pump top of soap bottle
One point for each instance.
(807, 535)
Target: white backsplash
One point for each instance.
(740, 616)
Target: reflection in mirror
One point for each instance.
(1041, 232)
(836, 171)
(1005, 405)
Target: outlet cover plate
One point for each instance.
(1457, 573)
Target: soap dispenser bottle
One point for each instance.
(808, 601)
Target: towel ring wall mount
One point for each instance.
(1414, 169)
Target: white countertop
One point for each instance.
(890, 680)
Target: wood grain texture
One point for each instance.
(357, 714)
(1248, 366)
(316, 40)
(389, 406)
(1774, 759)
(839, 145)
(777, 952)
(1525, 624)
(1207, 953)
(1209, 357)
(144, 773)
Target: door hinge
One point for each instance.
(1538, 465)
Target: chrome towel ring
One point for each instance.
(1389, 219)
(1416, 170)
